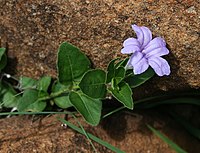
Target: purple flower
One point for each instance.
(146, 52)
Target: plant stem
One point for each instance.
(85, 133)
(114, 111)
(53, 95)
(34, 113)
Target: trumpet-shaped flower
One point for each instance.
(146, 52)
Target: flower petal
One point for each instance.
(131, 45)
(129, 49)
(157, 42)
(139, 33)
(147, 36)
(141, 66)
(136, 57)
(131, 41)
(157, 52)
(128, 65)
(144, 35)
(160, 65)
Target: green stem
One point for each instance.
(34, 113)
(85, 133)
(114, 111)
(55, 94)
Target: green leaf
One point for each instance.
(88, 107)
(42, 94)
(2, 52)
(37, 106)
(43, 83)
(93, 83)
(3, 62)
(8, 95)
(137, 80)
(29, 97)
(122, 63)
(71, 63)
(119, 74)
(27, 83)
(111, 70)
(9, 99)
(115, 82)
(123, 94)
(29, 102)
(167, 140)
(3, 58)
(62, 100)
(114, 71)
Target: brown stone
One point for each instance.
(127, 131)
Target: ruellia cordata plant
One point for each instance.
(80, 86)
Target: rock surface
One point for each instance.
(33, 30)
(23, 134)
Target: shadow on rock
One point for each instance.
(115, 126)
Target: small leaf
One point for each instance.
(137, 80)
(3, 58)
(119, 74)
(29, 96)
(123, 94)
(114, 71)
(71, 63)
(26, 83)
(2, 52)
(61, 101)
(43, 83)
(8, 95)
(9, 99)
(86, 106)
(29, 102)
(37, 106)
(121, 63)
(115, 82)
(3, 62)
(93, 83)
(42, 94)
(111, 70)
